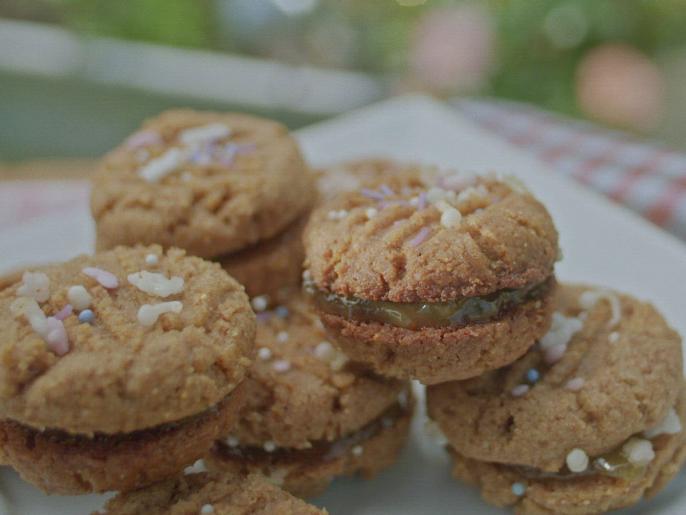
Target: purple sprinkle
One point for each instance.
(143, 139)
(386, 190)
(421, 200)
(420, 237)
(372, 194)
(228, 154)
(64, 312)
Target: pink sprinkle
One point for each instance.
(64, 312)
(420, 237)
(519, 390)
(372, 194)
(281, 365)
(575, 384)
(421, 200)
(56, 337)
(554, 354)
(386, 190)
(106, 279)
(143, 139)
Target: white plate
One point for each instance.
(602, 243)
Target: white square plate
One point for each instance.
(602, 243)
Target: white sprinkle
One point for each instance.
(307, 276)
(451, 218)
(472, 192)
(269, 446)
(204, 133)
(638, 451)
(324, 351)
(264, 353)
(149, 313)
(163, 165)
(358, 450)
(613, 337)
(281, 365)
(434, 432)
(29, 308)
(337, 215)
(554, 354)
(371, 212)
(79, 297)
(151, 259)
(577, 460)
(670, 425)
(282, 336)
(157, 284)
(561, 330)
(338, 361)
(259, 303)
(232, 441)
(434, 195)
(403, 399)
(575, 384)
(206, 509)
(197, 467)
(520, 390)
(35, 285)
(589, 298)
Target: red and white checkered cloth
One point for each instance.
(646, 177)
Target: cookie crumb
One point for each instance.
(269, 446)
(590, 298)
(670, 425)
(206, 509)
(259, 303)
(197, 467)
(281, 365)
(35, 285)
(357, 450)
(232, 441)
(638, 451)
(79, 297)
(575, 384)
(264, 353)
(577, 460)
(520, 390)
(518, 489)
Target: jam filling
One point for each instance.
(412, 315)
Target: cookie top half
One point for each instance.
(301, 389)
(206, 182)
(416, 235)
(125, 340)
(609, 368)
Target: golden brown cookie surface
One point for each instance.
(210, 183)
(123, 357)
(609, 368)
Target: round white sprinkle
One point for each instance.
(206, 509)
(371, 212)
(259, 303)
(232, 441)
(35, 285)
(264, 353)
(324, 351)
(575, 384)
(269, 446)
(79, 297)
(358, 450)
(613, 337)
(519, 390)
(670, 425)
(451, 218)
(149, 313)
(638, 451)
(282, 336)
(577, 460)
(151, 259)
(281, 365)
(197, 467)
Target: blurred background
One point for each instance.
(77, 75)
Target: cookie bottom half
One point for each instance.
(581, 495)
(271, 266)
(308, 472)
(62, 463)
(439, 354)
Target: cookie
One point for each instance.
(210, 494)
(271, 268)
(588, 420)
(433, 276)
(310, 414)
(206, 182)
(110, 364)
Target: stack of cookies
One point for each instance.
(552, 398)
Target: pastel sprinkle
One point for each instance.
(143, 139)
(670, 425)
(520, 390)
(281, 365)
(157, 284)
(263, 316)
(269, 446)
(51, 329)
(35, 285)
(264, 353)
(421, 200)
(518, 489)
(151, 259)
(638, 451)
(204, 133)
(163, 165)
(86, 316)
(56, 336)
(577, 460)
(337, 215)
(64, 312)
(282, 337)
(575, 384)
(554, 354)
(149, 313)
(106, 279)
(375, 195)
(450, 218)
(386, 190)
(324, 351)
(533, 375)
(206, 509)
(282, 312)
(358, 450)
(79, 297)
(197, 467)
(259, 303)
(371, 212)
(232, 441)
(613, 337)
(420, 237)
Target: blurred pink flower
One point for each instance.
(452, 48)
(619, 85)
